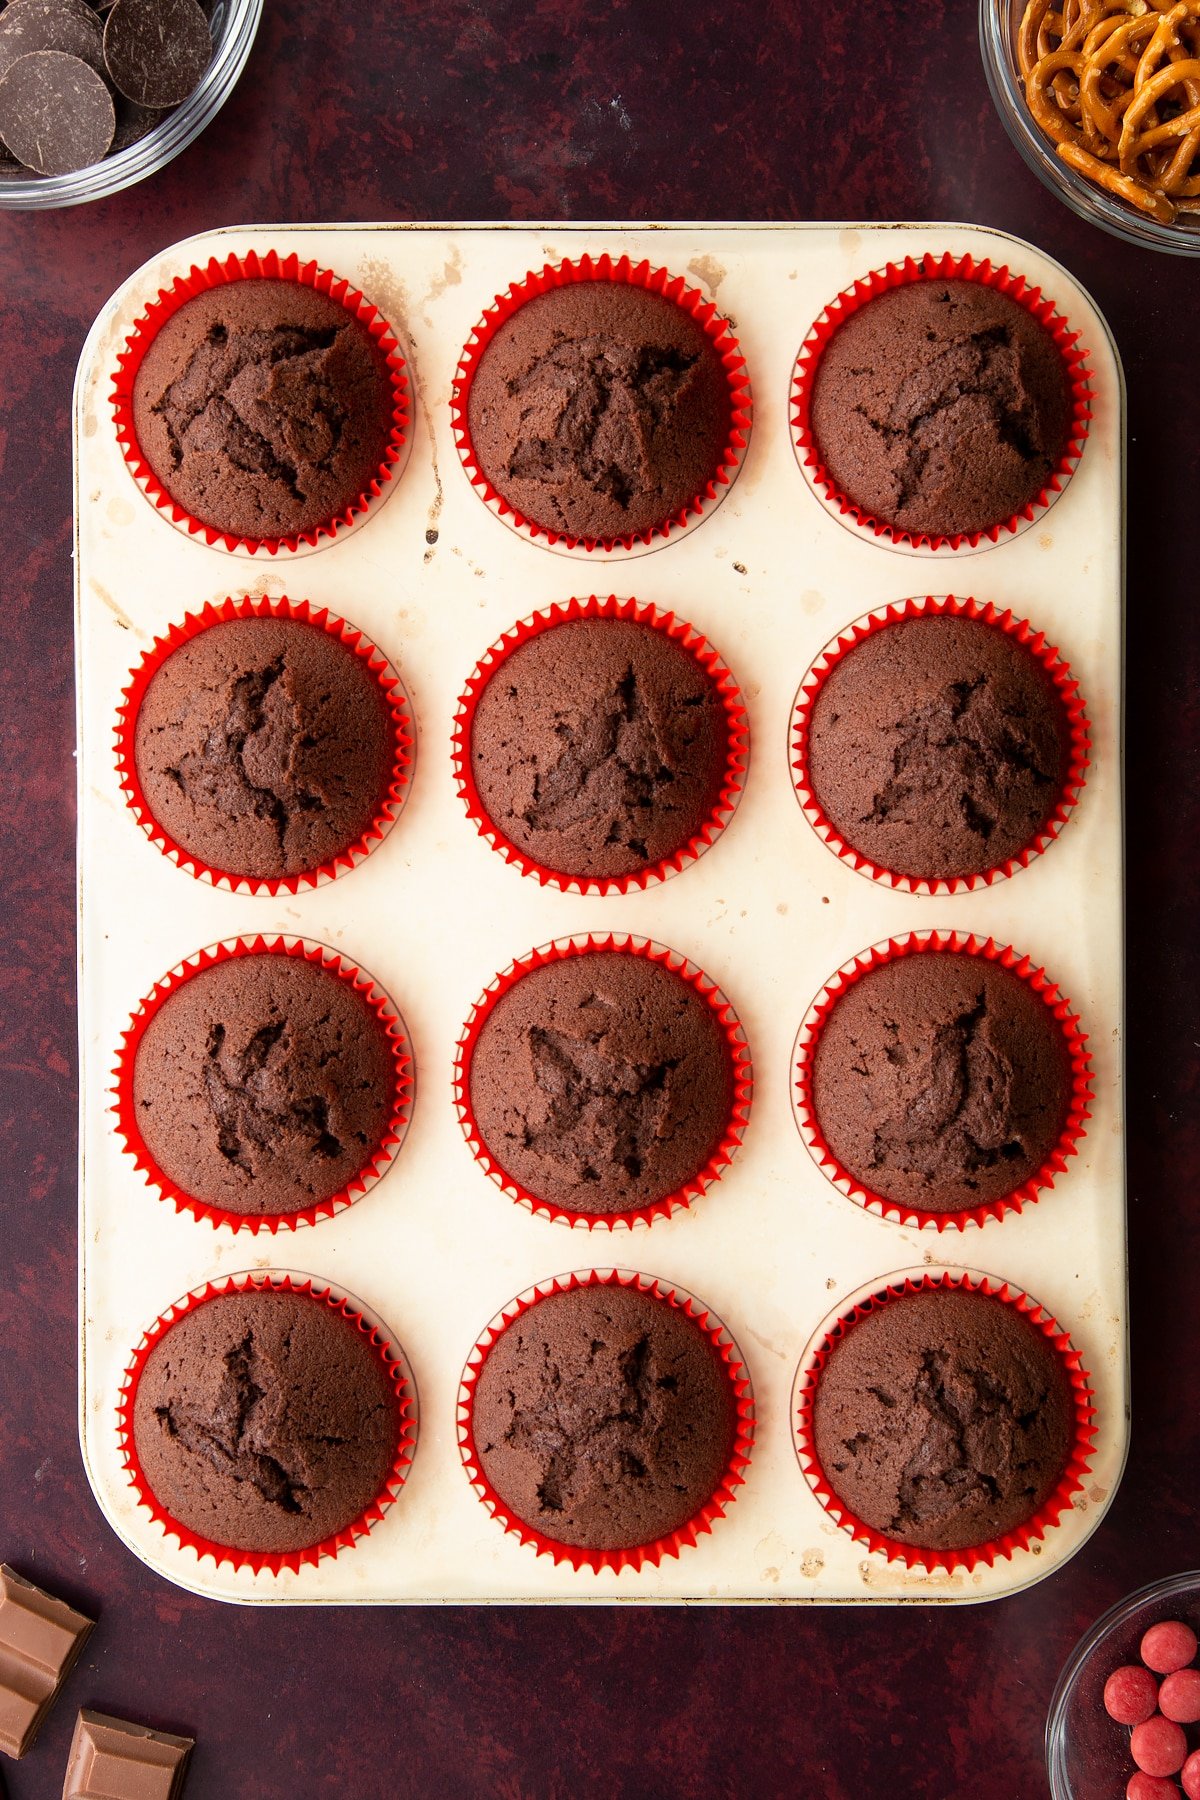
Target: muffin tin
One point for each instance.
(436, 1249)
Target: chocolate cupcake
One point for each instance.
(941, 407)
(938, 747)
(264, 747)
(263, 1085)
(601, 1083)
(265, 1420)
(599, 747)
(604, 1417)
(943, 1419)
(264, 408)
(599, 410)
(941, 1081)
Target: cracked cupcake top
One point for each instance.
(599, 747)
(604, 1417)
(264, 747)
(941, 407)
(941, 1081)
(263, 407)
(938, 747)
(943, 1419)
(602, 1082)
(599, 409)
(263, 1084)
(265, 1421)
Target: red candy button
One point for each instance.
(1168, 1646)
(1191, 1776)
(1150, 1787)
(1179, 1697)
(1158, 1746)
(1130, 1695)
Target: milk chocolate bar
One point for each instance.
(40, 1637)
(114, 1760)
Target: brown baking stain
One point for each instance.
(450, 276)
(384, 289)
(708, 271)
(811, 1564)
(106, 599)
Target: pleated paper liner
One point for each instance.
(253, 267)
(391, 1356)
(1022, 632)
(936, 943)
(1022, 1537)
(321, 619)
(936, 268)
(736, 726)
(742, 1083)
(125, 1109)
(637, 1556)
(657, 281)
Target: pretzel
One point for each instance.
(1115, 86)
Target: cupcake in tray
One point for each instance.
(606, 1419)
(602, 1081)
(601, 744)
(940, 402)
(939, 744)
(262, 402)
(941, 1080)
(265, 742)
(944, 1420)
(264, 1084)
(600, 403)
(266, 1423)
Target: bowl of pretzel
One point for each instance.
(1102, 99)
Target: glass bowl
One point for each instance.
(1087, 1753)
(998, 24)
(233, 24)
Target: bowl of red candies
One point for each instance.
(1125, 1718)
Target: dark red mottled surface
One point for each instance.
(871, 109)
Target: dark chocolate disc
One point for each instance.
(66, 25)
(56, 114)
(157, 50)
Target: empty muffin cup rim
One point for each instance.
(740, 1071)
(950, 606)
(262, 606)
(637, 1556)
(124, 1107)
(669, 625)
(842, 1319)
(931, 943)
(217, 273)
(624, 271)
(390, 1353)
(933, 267)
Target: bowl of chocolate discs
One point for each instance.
(97, 94)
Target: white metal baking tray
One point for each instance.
(433, 913)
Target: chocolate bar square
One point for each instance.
(40, 1637)
(114, 1760)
